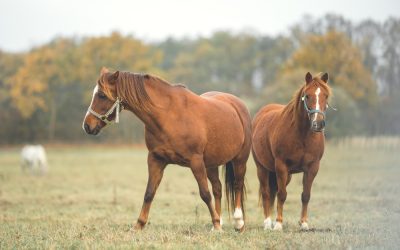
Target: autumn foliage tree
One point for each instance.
(354, 88)
(44, 93)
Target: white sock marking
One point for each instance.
(238, 217)
(268, 224)
(238, 214)
(278, 226)
(304, 226)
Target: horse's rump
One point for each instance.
(231, 124)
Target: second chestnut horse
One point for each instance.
(290, 139)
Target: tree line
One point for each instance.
(44, 93)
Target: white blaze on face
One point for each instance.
(94, 93)
(317, 92)
(317, 107)
(87, 112)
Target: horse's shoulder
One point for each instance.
(267, 113)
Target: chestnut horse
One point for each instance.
(289, 139)
(199, 132)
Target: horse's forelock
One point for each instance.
(104, 86)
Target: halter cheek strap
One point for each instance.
(311, 111)
(116, 106)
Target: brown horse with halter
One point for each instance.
(199, 132)
(289, 139)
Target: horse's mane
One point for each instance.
(295, 105)
(131, 88)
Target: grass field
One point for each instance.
(92, 195)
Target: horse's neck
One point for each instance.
(160, 95)
(301, 121)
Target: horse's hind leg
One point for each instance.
(199, 171)
(282, 180)
(213, 176)
(239, 167)
(156, 170)
(267, 191)
(308, 179)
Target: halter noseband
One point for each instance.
(116, 106)
(311, 111)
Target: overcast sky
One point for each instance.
(25, 23)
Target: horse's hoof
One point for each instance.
(217, 229)
(268, 224)
(304, 226)
(137, 228)
(240, 230)
(278, 226)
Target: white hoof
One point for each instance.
(278, 226)
(220, 221)
(304, 226)
(268, 224)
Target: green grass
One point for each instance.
(92, 195)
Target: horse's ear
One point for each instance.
(308, 78)
(113, 77)
(325, 77)
(103, 70)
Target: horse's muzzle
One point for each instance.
(89, 131)
(318, 126)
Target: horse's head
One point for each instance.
(105, 105)
(315, 100)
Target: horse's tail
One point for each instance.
(230, 189)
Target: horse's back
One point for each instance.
(236, 104)
(234, 101)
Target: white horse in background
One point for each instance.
(33, 158)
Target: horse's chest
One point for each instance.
(300, 159)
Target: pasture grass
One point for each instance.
(92, 195)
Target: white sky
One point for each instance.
(25, 23)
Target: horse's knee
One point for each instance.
(148, 196)
(205, 196)
(282, 195)
(305, 198)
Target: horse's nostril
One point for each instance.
(86, 127)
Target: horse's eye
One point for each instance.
(101, 95)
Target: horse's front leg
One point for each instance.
(308, 178)
(156, 169)
(281, 179)
(199, 171)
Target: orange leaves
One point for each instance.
(334, 53)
